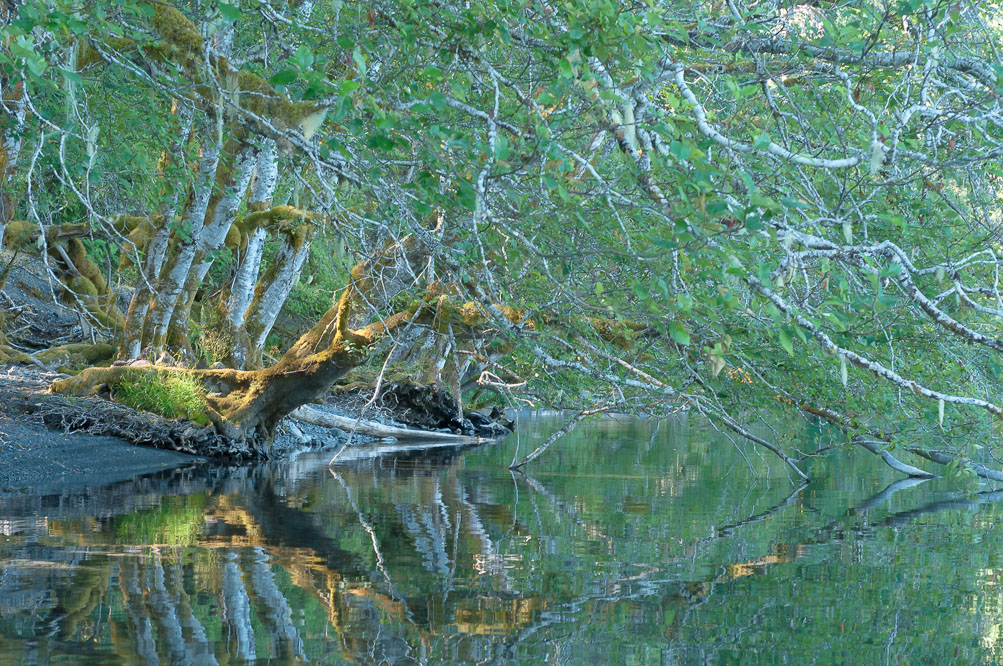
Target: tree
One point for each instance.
(592, 206)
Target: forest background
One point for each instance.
(750, 211)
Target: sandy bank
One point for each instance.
(34, 458)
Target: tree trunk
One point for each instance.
(10, 147)
(277, 283)
(155, 249)
(247, 404)
(174, 274)
(231, 183)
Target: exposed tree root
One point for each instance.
(229, 390)
(423, 407)
(101, 417)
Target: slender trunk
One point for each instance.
(278, 282)
(198, 650)
(237, 608)
(162, 608)
(132, 594)
(242, 289)
(246, 277)
(174, 274)
(155, 249)
(13, 114)
(278, 614)
(232, 183)
(10, 148)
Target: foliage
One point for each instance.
(173, 522)
(208, 337)
(720, 207)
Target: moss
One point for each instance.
(73, 358)
(177, 30)
(82, 286)
(471, 315)
(124, 224)
(260, 98)
(78, 255)
(9, 355)
(18, 233)
(235, 239)
(87, 55)
(277, 215)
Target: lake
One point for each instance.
(628, 542)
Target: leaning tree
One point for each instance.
(740, 209)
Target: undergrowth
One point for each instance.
(209, 342)
(172, 395)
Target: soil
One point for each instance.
(36, 459)
(32, 320)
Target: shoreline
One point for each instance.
(35, 459)
(37, 456)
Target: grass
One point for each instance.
(171, 395)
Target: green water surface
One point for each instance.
(629, 542)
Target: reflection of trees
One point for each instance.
(399, 562)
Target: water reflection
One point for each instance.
(627, 543)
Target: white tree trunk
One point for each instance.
(237, 608)
(173, 282)
(262, 190)
(278, 613)
(289, 260)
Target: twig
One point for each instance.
(568, 427)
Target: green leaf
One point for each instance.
(229, 13)
(304, 57)
(639, 290)
(283, 78)
(791, 202)
(360, 61)
(71, 76)
(785, 340)
(679, 334)
(762, 141)
(433, 73)
(891, 270)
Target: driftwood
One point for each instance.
(372, 428)
(352, 454)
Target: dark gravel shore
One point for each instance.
(34, 458)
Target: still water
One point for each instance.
(627, 543)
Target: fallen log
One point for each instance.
(372, 428)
